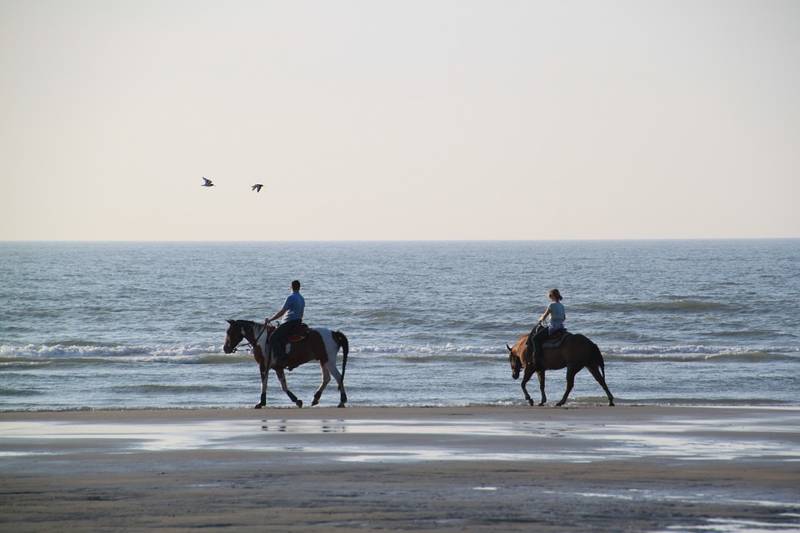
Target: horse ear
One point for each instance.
(230, 321)
(509, 347)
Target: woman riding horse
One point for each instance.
(539, 333)
(574, 352)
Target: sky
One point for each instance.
(399, 120)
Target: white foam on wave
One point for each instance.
(632, 352)
(695, 349)
(427, 349)
(88, 350)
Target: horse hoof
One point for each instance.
(611, 404)
(341, 405)
(559, 404)
(300, 404)
(258, 405)
(530, 402)
(315, 402)
(541, 404)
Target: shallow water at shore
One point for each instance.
(730, 436)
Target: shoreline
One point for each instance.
(368, 410)
(624, 468)
(573, 404)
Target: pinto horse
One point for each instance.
(574, 353)
(321, 344)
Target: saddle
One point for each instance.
(298, 333)
(556, 340)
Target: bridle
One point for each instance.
(245, 339)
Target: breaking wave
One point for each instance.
(428, 349)
(84, 349)
(19, 357)
(743, 357)
(30, 356)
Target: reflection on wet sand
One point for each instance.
(387, 440)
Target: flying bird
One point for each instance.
(257, 187)
(207, 182)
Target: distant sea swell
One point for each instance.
(658, 306)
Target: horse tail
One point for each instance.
(597, 358)
(341, 340)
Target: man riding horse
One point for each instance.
(292, 313)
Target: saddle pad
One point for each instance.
(556, 342)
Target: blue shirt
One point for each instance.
(294, 305)
(557, 315)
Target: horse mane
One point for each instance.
(242, 322)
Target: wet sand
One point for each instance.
(626, 468)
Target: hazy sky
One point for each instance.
(399, 119)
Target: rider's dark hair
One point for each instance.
(295, 285)
(555, 294)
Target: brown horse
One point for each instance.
(575, 353)
(321, 344)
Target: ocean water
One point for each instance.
(132, 325)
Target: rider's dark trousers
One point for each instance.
(535, 340)
(278, 339)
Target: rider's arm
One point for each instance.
(277, 315)
(544, 315)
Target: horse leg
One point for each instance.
(290, 394)
(602, 381)
(541, 387)
(264, 376)
(339, 381)
(570, 383)
(326, 378)
(525, 378)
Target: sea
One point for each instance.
(130, 325)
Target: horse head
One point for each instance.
(515, 362)
(233, 336)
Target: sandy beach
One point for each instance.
(447, 469)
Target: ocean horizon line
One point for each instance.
(410, 241)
